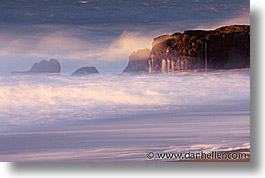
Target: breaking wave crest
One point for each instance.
(40, 99)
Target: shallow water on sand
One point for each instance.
(120, 117)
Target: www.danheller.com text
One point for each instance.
(213, 155)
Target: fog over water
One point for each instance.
(100, 33)
(121, 117)
(33, 100)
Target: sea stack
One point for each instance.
(52, 67)
(138, 61)
(85, 71)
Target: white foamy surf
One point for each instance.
(120, 117)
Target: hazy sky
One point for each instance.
(100, 33)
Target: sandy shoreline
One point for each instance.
(130, 139)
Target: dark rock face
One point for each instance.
(138, 61)
(224, 48)
(51, 66)
(85, 71)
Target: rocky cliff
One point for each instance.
(51, 66)
(138, 61)
(224, 48)
(85, 71)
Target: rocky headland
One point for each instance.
(223, 48)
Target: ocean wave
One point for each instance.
(40, 99)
